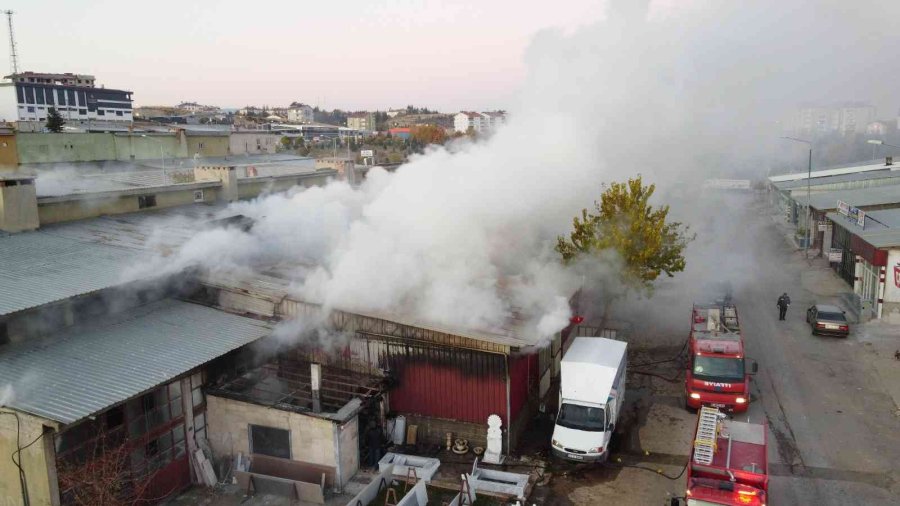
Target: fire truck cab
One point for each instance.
(728, 463)
(717, 374)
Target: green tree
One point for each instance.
(287, 143)
(55, 121)
(625, 222)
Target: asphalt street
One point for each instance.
(834, 432)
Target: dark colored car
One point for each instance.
(827, 320)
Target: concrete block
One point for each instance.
(425, 467)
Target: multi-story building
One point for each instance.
(363, 121)
(29, 102)
(478, 121)
(67, 79)
(300, 113)
(493, 119)
(465, 120)
(194, 107)
(845, 118)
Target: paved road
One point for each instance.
(833, 429)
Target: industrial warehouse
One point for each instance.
(161, 379)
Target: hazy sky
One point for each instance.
(350, 54)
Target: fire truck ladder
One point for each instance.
(707, 435)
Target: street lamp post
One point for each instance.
(878, 142)
(808, 182)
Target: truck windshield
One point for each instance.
(573, 416)
(719, 369)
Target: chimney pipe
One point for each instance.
(315, 374)
(889, 160)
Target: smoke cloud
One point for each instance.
(675, 91)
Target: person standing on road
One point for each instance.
(783, 302)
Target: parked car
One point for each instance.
(827, 320)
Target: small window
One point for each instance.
(118, 113)
(270, 441)
(101, 112)
(82, 111)
(145, 201)
(31, 109)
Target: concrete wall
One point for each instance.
(312, 438)
(153, 147)
(891, 310)
(207, 145)
(248, 143)
(89, 147)
(65, 147)
(9, 154)
(349, 455)
(60, 209)
(37, 460)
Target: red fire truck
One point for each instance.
(717, 372)
(728, 462)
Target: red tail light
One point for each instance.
(844, 327)
(820, 325)
(577, 319)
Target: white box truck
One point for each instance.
(591, 393)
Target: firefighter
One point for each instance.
(783, 302)
(374, 442)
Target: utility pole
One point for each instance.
(13, 57)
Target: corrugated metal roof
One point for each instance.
(882, 227)
(70, 259)
(38, 268)
(837, 171)
(83, 370)
(842, 178)
(861, 197)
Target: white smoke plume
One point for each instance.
(673, 91)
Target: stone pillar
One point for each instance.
(18, 203)
(227, 175)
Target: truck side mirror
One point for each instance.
(675, 501)
(611, 427)
(754, 367)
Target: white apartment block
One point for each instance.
(300, 113)
(478, 121)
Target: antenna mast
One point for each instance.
(13, 57)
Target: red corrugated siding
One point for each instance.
(877, 257)
(455, 384)
(523, 378)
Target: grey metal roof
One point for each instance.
(861, 197)
(76, 258)
(38, 268)
(83, 370)
(882, 227)
(844, 178)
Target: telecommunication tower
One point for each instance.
(13, 57)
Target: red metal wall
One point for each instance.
(447, 383)
(877, 257)
(523, 378)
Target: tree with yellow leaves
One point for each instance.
(626, 223)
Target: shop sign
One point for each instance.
(897, 275)
(860, 218)
(835, 254)
(843, 207)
